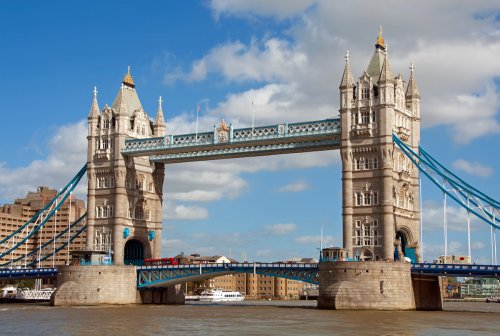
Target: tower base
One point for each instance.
(376, 285)
(102, 285)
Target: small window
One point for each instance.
(359, 164)
(366, 199)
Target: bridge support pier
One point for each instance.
(95, 285)
(101, 285)
(378, 285)
(162, 295)
(427, 292)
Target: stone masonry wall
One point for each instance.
(95, 285)
(379, 285)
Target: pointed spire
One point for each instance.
(159, 115)
(94, 109)
(385, 73)
(127, 79)
(380, 40)
(412, 89)
(347, 80)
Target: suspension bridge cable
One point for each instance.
(78, 176)
(33, 252)
(77, 233)
(486, 197)
(412, 156)
(75, 180)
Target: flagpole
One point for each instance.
(253, 118)
(197, 111)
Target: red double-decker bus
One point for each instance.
(160, 261)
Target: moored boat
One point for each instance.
(217, 295)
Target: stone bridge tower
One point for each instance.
(380, 186)
(124, 194)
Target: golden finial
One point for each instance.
(380, 39)
(223, 125)
(127, 79)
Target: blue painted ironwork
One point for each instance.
(79, 225)
(456, 270)
(151, 276)
(27, 273)
(63, 246)
(160, 276)
(255, 150)
(64, 194)
(265, 140)
(77, 177)
(474, 201)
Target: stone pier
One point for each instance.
(378, 285)
(101, 285)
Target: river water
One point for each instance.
(245, 318)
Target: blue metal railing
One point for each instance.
(280, 131)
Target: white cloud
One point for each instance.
(295, 187)
(315, 240)
(182, 212)
(456, 217)
(195, 195)
(66, 156)
(280, 229)
(300, 71)
(472, 168)
(260, 7)
(272, 59)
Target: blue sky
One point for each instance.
(285, 55)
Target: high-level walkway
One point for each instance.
(225, 142)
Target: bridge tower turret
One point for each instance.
(124, 194)
(380, 186)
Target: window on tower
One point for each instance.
(365, 93)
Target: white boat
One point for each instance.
(218, 295)
(8, 292)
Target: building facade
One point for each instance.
(13, 216)
(253, 286)
(124, 194)
(380, 209)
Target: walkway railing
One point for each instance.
(219, 143)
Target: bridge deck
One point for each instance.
(245, 142)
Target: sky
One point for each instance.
(285, 56)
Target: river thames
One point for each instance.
(245, 318)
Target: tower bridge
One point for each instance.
(378, 136)
(380, 189)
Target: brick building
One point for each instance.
(13, 216)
